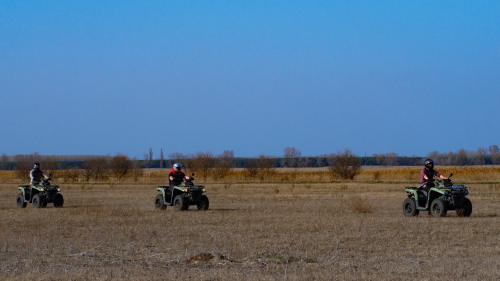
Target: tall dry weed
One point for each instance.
(360, 206)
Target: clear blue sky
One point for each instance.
(97, 77)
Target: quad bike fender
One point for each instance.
(411, 192)
(162, 190)
(167, 194)
(433, 194)
(35, 187)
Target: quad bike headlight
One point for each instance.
(203, 190)
(58, 189)
(42, 189)
(185, 190)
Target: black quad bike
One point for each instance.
(39, 195)
(441, 198)
(182, 196)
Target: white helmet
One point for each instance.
(177, 167)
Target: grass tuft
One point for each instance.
(360, 206)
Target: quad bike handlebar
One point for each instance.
(190, 180)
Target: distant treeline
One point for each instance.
(291, 157)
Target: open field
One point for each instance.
(253, 231)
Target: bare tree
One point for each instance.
(36, 156)
(480, 156)
(24, 164)
(183, 159)
(264, 165)
(177, 156)
(290, 156)
(50, 164)
(150, 155)
(380, 159)
(120, 165)
(391, 159)
(4, 159)
(434, 155)
(136, 170)
(146, 160)
(450, 158)
(495, 154)
(223, 164)
(202, 163)
(161, 157)
(96, 167)
(251, 167)
(345, 164)
(462, 157)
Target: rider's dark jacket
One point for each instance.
(36, 176)
(177, 176)
(430, 173)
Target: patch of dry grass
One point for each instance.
(360, 206)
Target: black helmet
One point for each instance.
(36, 165)
(429, 163)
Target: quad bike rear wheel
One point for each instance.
(159, 202)
(466, 209)
(438, 208)
(409, 207)
(20, 201)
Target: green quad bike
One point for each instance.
(39, 195)
(442, 197)
(182, 196)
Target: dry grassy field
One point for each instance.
(317, 230)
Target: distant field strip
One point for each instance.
(486, 174)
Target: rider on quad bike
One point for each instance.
(427, 175)
(36, 174)
(436, 196)
(176, 176)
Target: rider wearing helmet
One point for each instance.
(176, 176)
(36, 174)
(427, 175)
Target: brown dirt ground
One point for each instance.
(251, 232)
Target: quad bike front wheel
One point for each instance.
(438, 208)
(203, 205)
(179, 203)
(159, 202)
(466, 209)
(59, 201)
(409, 207)
(20, 201)
(37, 201)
